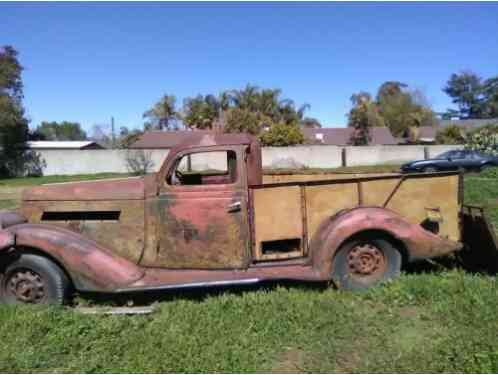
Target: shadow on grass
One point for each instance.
(196, 294)
(199, 294)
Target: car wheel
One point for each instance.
(365, 262)
(33, 279)
(430, 169)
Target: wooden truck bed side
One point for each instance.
(290, 213)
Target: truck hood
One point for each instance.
(105, 190)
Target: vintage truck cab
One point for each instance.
(206, 218)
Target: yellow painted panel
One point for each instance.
(324, 201)
(376, 192)
(277, 214)
(416, 196)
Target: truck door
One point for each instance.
(202, 208)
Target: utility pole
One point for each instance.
(112, 133)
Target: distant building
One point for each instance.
(342, 136)
(64, 145)
(163, 139)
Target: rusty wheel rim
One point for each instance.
(366, 261)
(26, 286)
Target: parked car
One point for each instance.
(207, 219)
(453, 160)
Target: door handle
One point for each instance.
(233, 207)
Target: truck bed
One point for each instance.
(288, 214)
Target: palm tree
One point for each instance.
(163, 115)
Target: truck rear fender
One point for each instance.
(90, 266)
(413, 241)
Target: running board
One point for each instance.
(200, 284)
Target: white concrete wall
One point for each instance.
(374, 155)
(302, 156)
(60, 162)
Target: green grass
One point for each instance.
(383, 168)
(420, 323)
(437, 321)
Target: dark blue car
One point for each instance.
(465, 160)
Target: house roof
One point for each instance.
(165, 139)
(342, 136)
(75, 145)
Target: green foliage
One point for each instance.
(310, 123)
(474, 97)
(402, 109)
(13, 124)
(163, 115)
(282, 134)
(239, 120)
(484, 139)
(490, 173)
(63, 131)
(363, 116)
(451, 135)
(421, 323)
(201, 112)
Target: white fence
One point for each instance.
(62, 162)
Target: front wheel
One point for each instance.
(364, 262)
(33, 279)
(430, 170)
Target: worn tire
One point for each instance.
(34, 279)
(364, 262)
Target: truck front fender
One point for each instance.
(417, 242)
(90, 266)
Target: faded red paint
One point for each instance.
(191, 234)
(7, 240)
(90, 266)
(331, 235)
(112, 189)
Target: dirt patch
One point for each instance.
(290, 362)
(409, 312)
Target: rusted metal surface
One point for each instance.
(7, 240)
(9, 218)
(123, 234)
(366, 260)
(90, 266)
(418, 242)
(111, 189)
(147, 233)
(26, 286)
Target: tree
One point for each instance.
(201, 112)
(490, 97)
(402, 109)
(466, 91)
(163, 115)
(310, 123)
(282, 134)
(363, 116)
(63, 131)
(451, 135)
(13, 124)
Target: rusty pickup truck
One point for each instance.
(207, 219)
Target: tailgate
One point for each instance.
(478, 235)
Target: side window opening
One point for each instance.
(204, 168)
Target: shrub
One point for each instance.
(484, 139)
(282, 135)
(452, 135)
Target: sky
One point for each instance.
(86, 62)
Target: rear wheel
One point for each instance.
(364, 262)
(33, 279)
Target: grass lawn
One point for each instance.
(434, 321)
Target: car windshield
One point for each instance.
(445, 155)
